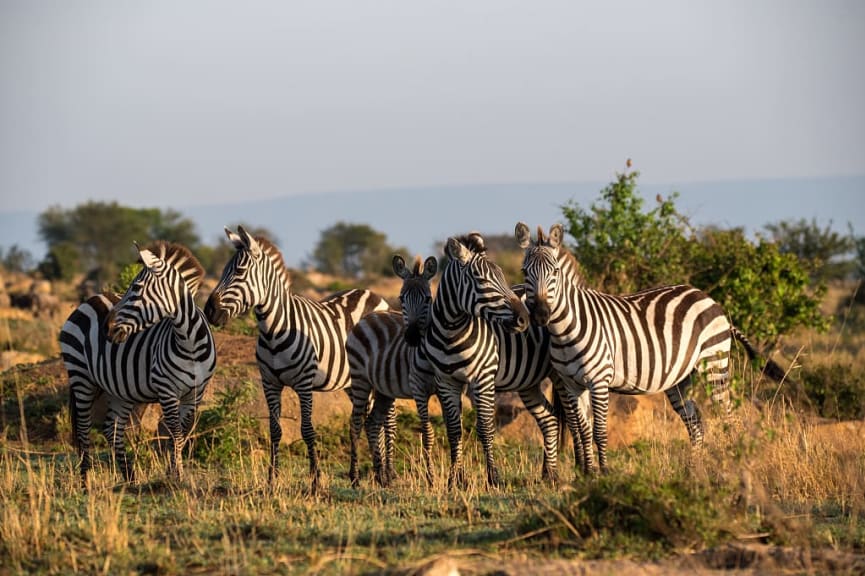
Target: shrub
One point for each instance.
(636, 514)
(226, 430)
(836, 390)
(623, 248)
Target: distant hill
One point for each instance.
(420, 218)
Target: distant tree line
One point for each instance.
(769, 285)
(96, 239)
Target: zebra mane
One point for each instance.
(417, 269)
(275, 256)
(181, 259)
(568, 260)
(474, 242)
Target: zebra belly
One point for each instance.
(292, 374)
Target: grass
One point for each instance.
(777, 482)
(776, 474)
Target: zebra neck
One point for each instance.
(189, 317)
(276, 313)
(449, 321)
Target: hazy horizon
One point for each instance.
(298, 220)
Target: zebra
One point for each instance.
(301, 342)
(642, 343)
(386, 361)
(151, 345)
(480, 338)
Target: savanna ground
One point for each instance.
(778, 489)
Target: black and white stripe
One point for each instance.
(387, 363)
(643, 343)
(153, 345)
(480, 339)
(301, 342)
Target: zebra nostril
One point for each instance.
(541, 315)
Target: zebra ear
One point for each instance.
(234, 238)
(456, 251)
(556, 233)
(148, 258)
(523, 235)
(249, 242)
(430, 267)
(399, 266)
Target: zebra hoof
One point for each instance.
(493, 480)
(551, 477)
(457, 481)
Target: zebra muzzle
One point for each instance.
(540, 313)
(117, 333)
(214, 311)
(520, 320)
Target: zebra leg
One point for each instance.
(360, 401)
(687, 410)
(538, 406)
(450, 398)
(583, 413)
(600, 397)
(719, 381)
(114, 430)
(307, 432)
(576, 418)
(81, 397)
(427, 436)
(377, 443)
(273, 397)
(389, 436)
(171, 417)
(485, 405)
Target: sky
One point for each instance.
(180, 104)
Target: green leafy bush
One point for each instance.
(767, 293)
(622, 248)
(226, 430)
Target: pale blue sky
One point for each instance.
(182, 103)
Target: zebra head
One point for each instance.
(542, 270)
(476, 286)
(243, 284)
(169, 275)
(415, 295)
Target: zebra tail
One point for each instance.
(772, 369)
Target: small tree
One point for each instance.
(620, 247)
(98, 236)
(16, 259)
(353, 250)
(823, 251)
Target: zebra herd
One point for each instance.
(478, 335)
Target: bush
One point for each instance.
(636, 514)
(622, 248)
(226, 430)
(767, 293)
(836, 390)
